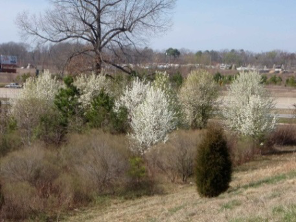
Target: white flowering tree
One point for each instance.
(90, 86)
(133, 95)
(45, 87)
(150, 114)
(162, 82)
(248, 111)
(198, 97)
(152, 120)
(34, 100)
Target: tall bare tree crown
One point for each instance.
(104, 26)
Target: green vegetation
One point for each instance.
(231, 204)
(270, 180)
(102, 115)
(291, 81)
(67, 101)
(213, 164)
(223, 79)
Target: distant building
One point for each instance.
(8, 63)
(225, 66)
(279, 68)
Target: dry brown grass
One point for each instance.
(262, 190)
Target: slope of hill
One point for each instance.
(262, 190)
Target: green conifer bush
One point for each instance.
(213, 164)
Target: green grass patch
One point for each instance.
(151, 219)
(249, 219)
(275, 194)
(103, 200)
(286, 120)
(176, 209)
(287, 214)
(269, 180)
(230, 205)
(278, 210)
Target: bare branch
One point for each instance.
(101, 23)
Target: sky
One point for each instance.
(254, 25)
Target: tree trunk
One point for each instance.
(98, 67)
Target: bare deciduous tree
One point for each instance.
(103, 25)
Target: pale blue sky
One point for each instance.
(256, 25)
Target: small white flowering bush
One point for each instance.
(150, 114)
(249, 110)
(162, 82)
(90, 86)
(198, 97)
(133, 95)
(45, 87)
(152, 120)
(34, 100)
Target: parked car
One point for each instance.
(13, 85)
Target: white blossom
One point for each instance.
(249, 108)
(198, 97)
(150, 114)
(133, 95)
(34, 100)
(152, 120)
(43, 88)
(90, 86)
(162, 82)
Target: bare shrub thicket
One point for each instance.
(100, 160)
(284, 135)
(241, 150)
(29, 178)
(33, 102)
(175, 158)
(21, 200)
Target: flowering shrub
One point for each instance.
(162, 82)
(34, 101)
(249, 109)
(132, 96)
(198, 97)
(90, 86)
(44, 88)
(149, 111)
(152, 120)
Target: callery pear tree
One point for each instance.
(249, 109)
(34, 100)
(151, 112)
(152, 120)
(198, 96)
(104, 26)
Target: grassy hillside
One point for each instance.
(261, 190)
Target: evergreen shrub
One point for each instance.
(213, 164)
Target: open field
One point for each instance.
(262, 190)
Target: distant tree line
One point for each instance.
(62, 57)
